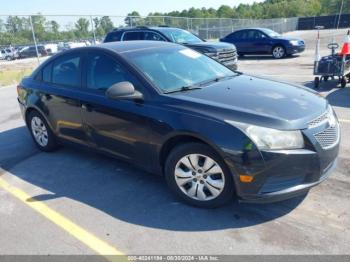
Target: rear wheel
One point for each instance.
(278, 52)
(42, 135)
(199, 176)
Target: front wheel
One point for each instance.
(343, 82)
(199, 176)
(278, 52)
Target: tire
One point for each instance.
(195, 183)
(343, 82)
(278, 52)
(317, 82)
(41, 133)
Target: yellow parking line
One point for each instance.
(96, 244)
(344, 120)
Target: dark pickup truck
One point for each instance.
(224, 53)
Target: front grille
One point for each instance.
(227, 56)
(328, 137)
(319, 120)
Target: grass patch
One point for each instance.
(13, 77)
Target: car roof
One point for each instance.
(159, 28)
(252, 28)
(130, 46)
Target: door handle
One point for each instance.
(86, 107)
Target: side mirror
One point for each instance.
(123, 90)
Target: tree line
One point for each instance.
(265, 10)
(16, 30)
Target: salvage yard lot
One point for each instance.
(113, 205)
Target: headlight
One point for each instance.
(272, 139)
(294, 42)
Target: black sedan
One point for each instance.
(264, 41)
(32, 51)
(212, 132)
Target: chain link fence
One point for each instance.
(46, 34)
(214, 28)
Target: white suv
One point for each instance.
(9, 54)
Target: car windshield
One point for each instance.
(180, 36)
(271, 33)
(177, 68)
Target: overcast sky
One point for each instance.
(115, 7)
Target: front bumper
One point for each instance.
(282, 174)
(295, 49)
(288, 193)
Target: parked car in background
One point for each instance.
(264, 41)
(212, 132)
(30, 51)
(222, 52)
(51, 48)
(9, 54)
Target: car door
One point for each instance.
(31, 51)
(241, 41)
(260, 42)
(119, 127)
(60, 96)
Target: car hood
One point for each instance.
(255, 100)
(211, 46)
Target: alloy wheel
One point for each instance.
(199, 177)
(278, 52)
(39, 131)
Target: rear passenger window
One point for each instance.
(103, 71)
(238, 35)
(47, 73)
(130, 36)
(250, 34)
(66, 70)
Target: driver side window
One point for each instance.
(153, 36)
(103, 71)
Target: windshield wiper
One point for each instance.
(199, 85)
(216, 79)
(184, 89)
